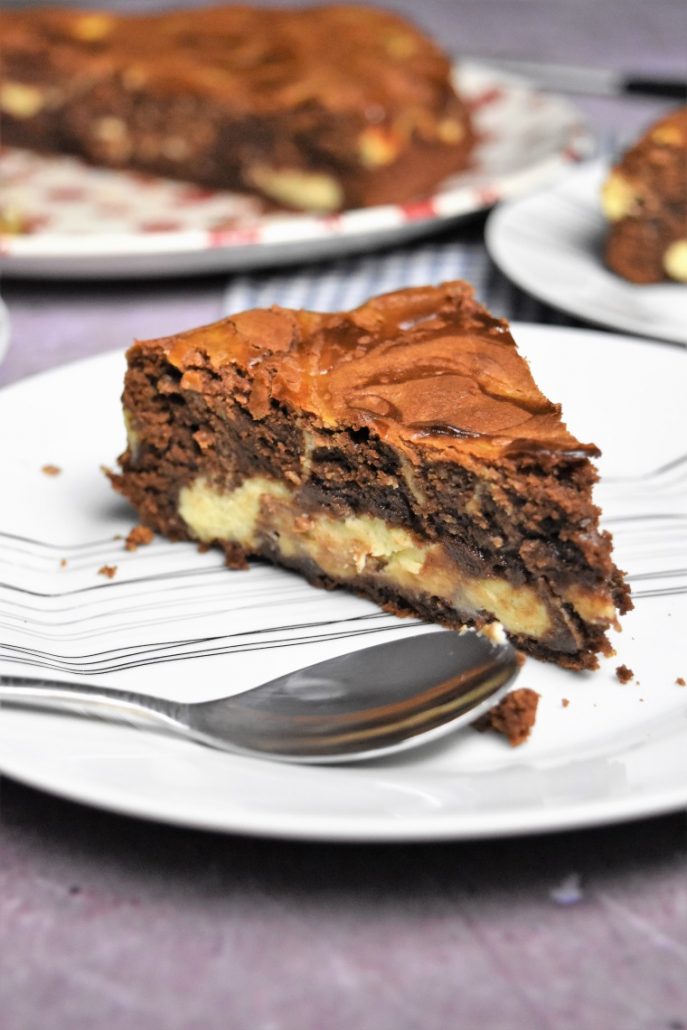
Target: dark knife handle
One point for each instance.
(673, 89)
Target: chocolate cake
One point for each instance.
(645, 200)
(402, 450)
(319, 108)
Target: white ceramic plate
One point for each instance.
(176, 622)
(4, 329)
(550, 244)
(91, 222)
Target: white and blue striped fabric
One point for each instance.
(344, 283)
(457, 253)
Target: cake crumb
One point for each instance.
(63, 563)
(139, 536)
(565, 701)
(680, 681)
(494, 632)
(235, 557)
(107, 570)
(623, 674)
(51, 470)
(569, 890)
(514, 716)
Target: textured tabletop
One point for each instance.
(107, 922)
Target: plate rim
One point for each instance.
(348, 830)
(494, 236)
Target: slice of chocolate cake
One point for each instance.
(402, 450)
(645, 201)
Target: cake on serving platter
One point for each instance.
(318, 108)
(402, 450)
(645, 200)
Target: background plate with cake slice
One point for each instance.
(169, 620)
(551, 244)
(93, 222)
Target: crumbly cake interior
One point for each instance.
(645, 201)
(402, 450)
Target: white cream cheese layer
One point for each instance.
(233, 515)
(675, 261)
(358, 545)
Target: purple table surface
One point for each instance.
(106, 922)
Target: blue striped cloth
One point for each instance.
(456, 253)
(344, 283)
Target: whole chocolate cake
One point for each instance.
(320, 108)
(402, 450)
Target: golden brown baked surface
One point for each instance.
(240, 97)
(253, 58)
(427, 369)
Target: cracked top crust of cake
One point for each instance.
(426, 369)
(343, 56)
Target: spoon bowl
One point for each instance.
(361, 705)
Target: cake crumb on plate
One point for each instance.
(514, 716)
(623, 674)
(139, 536)
(568, 891)
(107, 570)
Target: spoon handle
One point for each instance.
(117, 706)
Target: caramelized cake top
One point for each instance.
(344, 57)
(428, 369)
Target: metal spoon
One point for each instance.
(372, 702)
